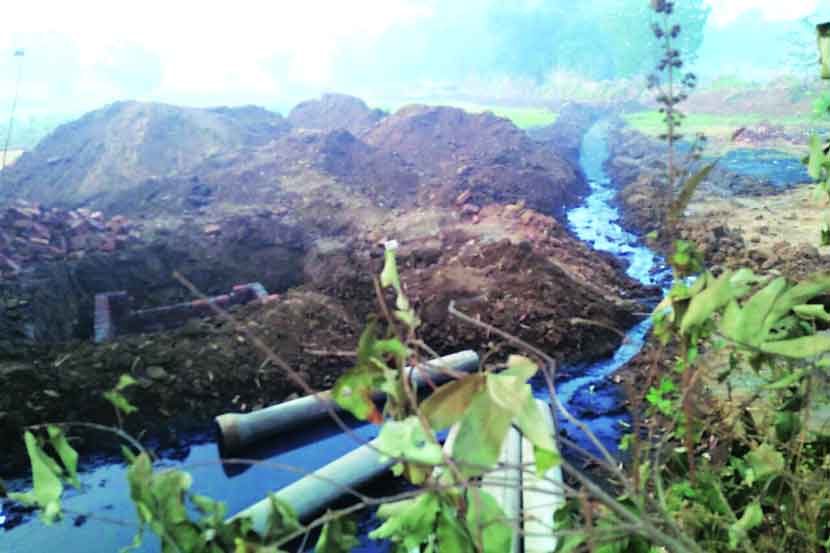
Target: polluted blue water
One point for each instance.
(101, 518)
(778, 168)
(597, 223)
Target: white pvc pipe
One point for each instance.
(541, 497)
(505, 483)
(314, 492)
(237, 430)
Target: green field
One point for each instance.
(522, 117)
(651, 122)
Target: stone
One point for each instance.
(157, 373)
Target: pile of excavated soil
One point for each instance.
(421, 155)
(112, 149)
(335, 112)
(484, 156)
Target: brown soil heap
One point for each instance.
(114, 148)
(335, 112)
(485, 155)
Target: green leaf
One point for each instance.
(799, 348)
(765, 461)
(687, 191)
(409, 523)
(120, 402)
(817, 157)
(508, 392)
(754, 325)
(46, 483)
(448, 403)
(812, 312)
(452, 536)
(407, 439)
(787, 425)
(533, 425)
(68, 456)
(787, 381)
(353, 392)
(389, 276)
(125, 381)
(521, 367)
(481, 434)
(571, 543)
(753, 516)
(800, 294)
(717, 294)
(339, 535)
(213, 510)
(486, 519)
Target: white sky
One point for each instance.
(206, 44)
(726, 11)
(226, 47)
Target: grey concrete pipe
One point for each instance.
(314, 492)
(237, 430)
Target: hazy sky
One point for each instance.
(726, 11)
(89, 52)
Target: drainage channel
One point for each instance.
(596, 222)
(102, 518)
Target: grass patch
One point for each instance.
(522, 117)
(651, 122)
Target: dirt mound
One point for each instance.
(334, 112)
(485, 157)
(509, 265)
(112, 149)
(301, 172)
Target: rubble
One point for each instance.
(31, 233)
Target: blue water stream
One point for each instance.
(102, 518)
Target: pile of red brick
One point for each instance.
(31, 233)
